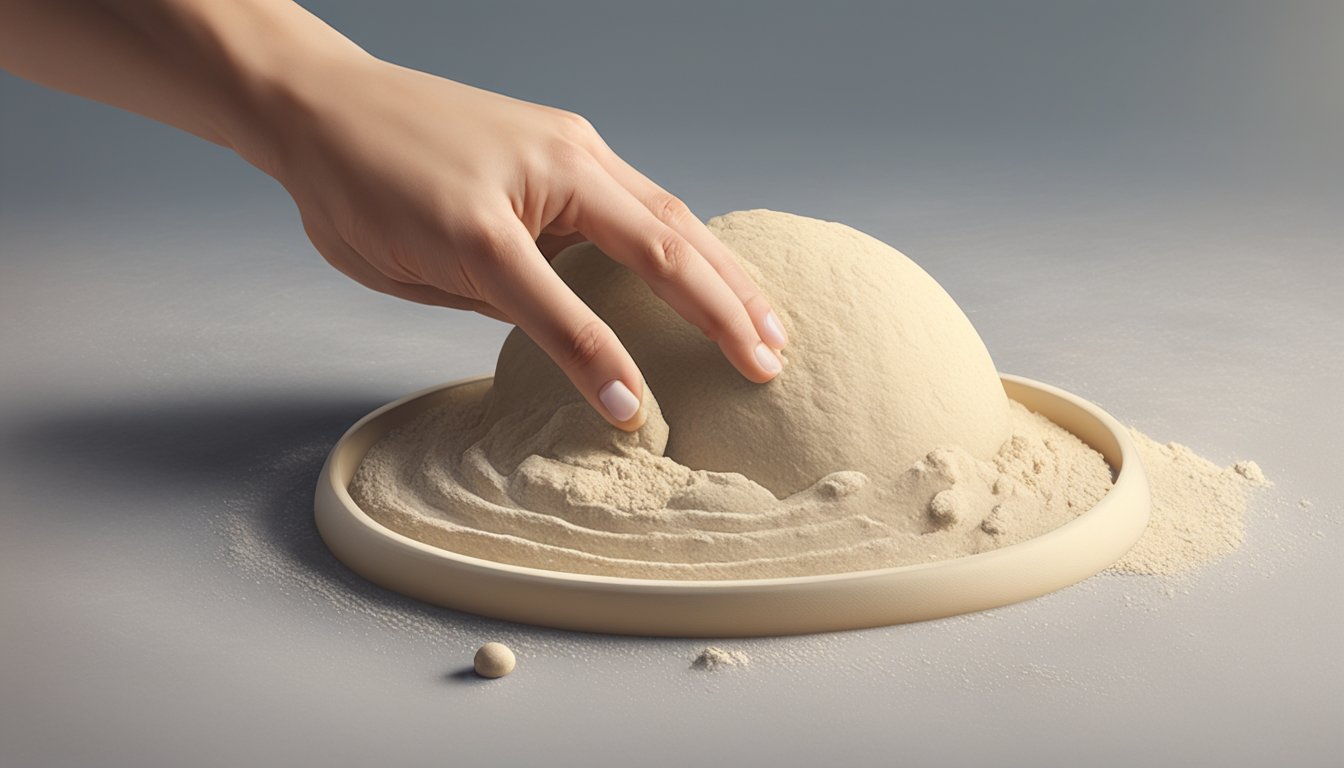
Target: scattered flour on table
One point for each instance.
(714, 657)
(1199, 509)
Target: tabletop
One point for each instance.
(1140, 206)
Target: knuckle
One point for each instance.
(575, 127)
(584, 345)
(669, 209)
(668, 256)
(751, 298)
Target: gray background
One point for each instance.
(1139, 202)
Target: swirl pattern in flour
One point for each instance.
(568, 493)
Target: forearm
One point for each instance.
(208, 67)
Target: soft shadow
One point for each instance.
(466, 675)
(251, 459)
(187, 442)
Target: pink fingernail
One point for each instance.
(619, 401)
(773, 333)
(768, 360)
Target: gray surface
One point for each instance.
(1135, 202)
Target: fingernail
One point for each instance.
(774, 332)
(768, 360)
(619, 401)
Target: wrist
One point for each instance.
(272, 60)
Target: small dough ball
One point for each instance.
(494, 660)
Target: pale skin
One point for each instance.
(411, 184)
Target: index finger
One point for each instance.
(676, 214)
(676, 271)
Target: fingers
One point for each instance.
(675, 214)
(525, 287)
(676, 271)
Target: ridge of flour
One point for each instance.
(953, 505)
(623, 510)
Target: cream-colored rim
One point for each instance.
(741, 607)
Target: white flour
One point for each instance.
(888, 440)
(627, 511)
(1199, 509)
(713, 658)
(1198, 516)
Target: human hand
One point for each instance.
(445, 194)
(413, 185)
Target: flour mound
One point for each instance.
(888, 440)
(882, 365)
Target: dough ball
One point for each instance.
(882, 366)
(494, 660)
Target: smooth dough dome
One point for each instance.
(882, 366)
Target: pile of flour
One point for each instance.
(620, 509)
(1045, 475)
(887, 441)
(1199, 509)
(882, 366)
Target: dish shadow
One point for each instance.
(252, 460)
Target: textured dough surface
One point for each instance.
(888, 439)
(587, 498)
(882, 365)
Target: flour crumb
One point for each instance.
(993, 524)
(714, 657)
(1252, 472)
(943, 509)
(1304, 503)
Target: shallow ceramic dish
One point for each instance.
(741, 607)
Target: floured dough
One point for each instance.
(887, 440)
(882, 365)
